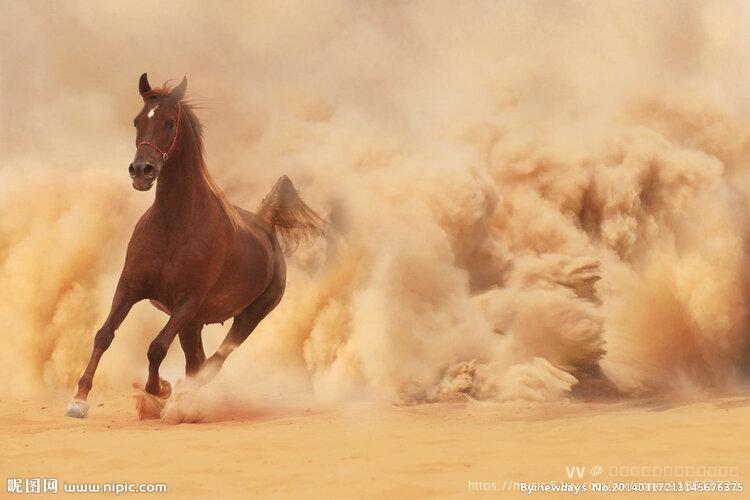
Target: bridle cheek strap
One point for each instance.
(165, 154)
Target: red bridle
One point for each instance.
(165, 154)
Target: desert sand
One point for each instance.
(370, 451)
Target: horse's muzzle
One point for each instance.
(143, 175)
(142, 187)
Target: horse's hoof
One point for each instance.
(147, 405)
(165, 389)
(77, 408)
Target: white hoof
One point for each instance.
(77, 409)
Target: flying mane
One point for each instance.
(188, 110)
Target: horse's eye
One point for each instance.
(135, 123)
(170, 124)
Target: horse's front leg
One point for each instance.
(181, 317)
(121, 303)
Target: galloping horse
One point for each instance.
(192, 254)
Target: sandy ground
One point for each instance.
(380, 452)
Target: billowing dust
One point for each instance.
(527, 198)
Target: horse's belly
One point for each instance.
(216, 309)
(160, 306)
(227, 300)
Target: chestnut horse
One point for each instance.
(192, 254)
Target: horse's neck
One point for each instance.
(182, 191)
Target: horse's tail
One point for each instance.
(291, 219)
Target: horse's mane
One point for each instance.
(188, 110)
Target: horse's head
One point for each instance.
(157, 127)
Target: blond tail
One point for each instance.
(292, 220)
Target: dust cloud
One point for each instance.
(529, 198)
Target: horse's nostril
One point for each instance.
(131, 169)
(148, 169)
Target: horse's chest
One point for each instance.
(181, 266)
(187, 262)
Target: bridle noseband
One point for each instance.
(165, 154)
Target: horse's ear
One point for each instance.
(143, 85)
(179, 91)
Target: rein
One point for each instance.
(165, 154)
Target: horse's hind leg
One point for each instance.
(192, 345)
(242, 326)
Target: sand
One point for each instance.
(369, 451)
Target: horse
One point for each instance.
(193, 254)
